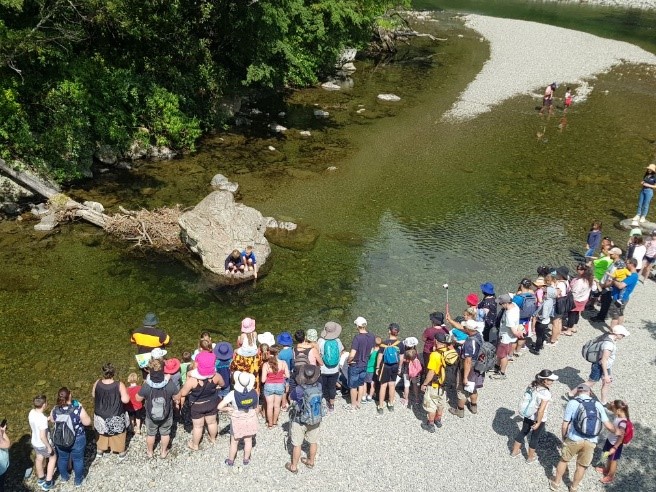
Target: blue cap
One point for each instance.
(487, 288)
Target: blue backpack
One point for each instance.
(529, 305)
(587, 421)
(331, 353)
(391, 354)
(311, 410)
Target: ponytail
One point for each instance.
(62, 397)
(273, 359)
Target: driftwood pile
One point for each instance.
(158, 229)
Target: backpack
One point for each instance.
(300, 359)
(311, 410)
(587, 420)
(414, 368)
(591, 350)
(158, 404)
(391, 353)
(529, 305)
(63, 435)
(529, 403)
(447, 377)
(486, 359)
(331, 353)
(628, 432)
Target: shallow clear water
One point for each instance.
(414, 203)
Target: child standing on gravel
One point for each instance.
(372, 379)
(615, 442)
(411, 372)
(134, 408)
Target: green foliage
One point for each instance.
(82, 73)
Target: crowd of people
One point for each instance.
(263, 376)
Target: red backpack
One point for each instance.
(628, 432)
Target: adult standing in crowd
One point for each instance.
(274, 374)
(544, 313)
(330, 348)
(601, 370)
(433, 385)
(561, 309)
(109, 417)
(149, 336)
(621, 293)
(489, 306)
(361, 348)
(581, 286)
(646, 194)
(68, 408)
(387, 367)
(538, 401)
(470, 379)
(5, 444)
(307, 380)
(437, 326)
(575, 443)
(509, 330)
(605, 285)
(157, 392)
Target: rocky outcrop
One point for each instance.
(221, 183)
(389, 97)
(216, 226)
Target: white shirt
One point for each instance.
(639, 253)
(609, 345)
(38, 422)
(510, 319)
(543, 394)
(580, 289)
(561, 288)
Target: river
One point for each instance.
(415, 202)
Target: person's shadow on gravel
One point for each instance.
(548, 452)
(506, 423)
(570, 377)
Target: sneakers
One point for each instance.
(380, 410)
(473, 408)
(390, 407)
(48, 485)
(122, 456)
(643, 219)
(428, 427)
(41, 481)
(349, 408)
(458, 412)
(498, 375)
(438, 423)
(634, 220)
(99, 454)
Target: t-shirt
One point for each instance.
(543, 394)
(639, 254)
(133, 405)
(429, 337)
(571, 410)
(148, 337)
(651, 248)
(389, 342)
(169, 390)
(561, 288)
(287, 354)
(619, 423)
(249, 256)
(594, 240)
(38, 422)
(612, 347)
(325, 369)
(600, 265)
(435, 362)
(630, 282)
(650, 179)
(371, 363)
(362, 344)
(509, 319)
(471, 346)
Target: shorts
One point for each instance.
(389, 373)
(596, 372)
(526, 327)
(42, 452)
(615, 311)
(356, 376)
(618, 453)
(582, 450)
(546, 101)
(649, 260)
(434, 399)
(463, 395)
(203, 409)
(504, 350)
(116, 442)
(369, 378)
(164, 427)
(271, 389)
(138, 414)
(301, 432)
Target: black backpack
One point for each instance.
(63, 435)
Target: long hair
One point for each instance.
(621, 405)
(273, 359)
(587, 274)
(62, 396)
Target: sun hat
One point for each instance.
(394, 328)
(223, 351)
(470, 324)
(583, 387)
(247, 325)
(360, 321)
(331, 331)
(309, 375)
(487, 289)
(437, 318)
(472, 299)
(311, 335)
(615, 251)
(171, 366)
(266, 337)
(157, 353)
(285, 339)
(636, 231)
(504, 299)
(150, 319)
(410, 342)
(651, 167)
(620, 330)
(205, 365)
(547, 374)
(539, 282)
(244, 381)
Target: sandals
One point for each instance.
(307, 463)
(288, 467)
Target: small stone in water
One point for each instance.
(272, 148)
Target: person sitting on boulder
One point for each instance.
(249, 261)
(234, 262)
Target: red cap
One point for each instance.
(472, 299)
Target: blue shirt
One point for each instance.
(287, 354)
(594, 240)
(248, 256)
(630, 282)
(570, 413)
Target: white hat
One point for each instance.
(470, 324)
(360, 321)
(266, 337)
(620, 330)
(244, 381)
(410, 342)
(157, 353)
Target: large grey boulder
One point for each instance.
(221, 183)
(216, 226)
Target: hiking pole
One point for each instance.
(446, 287)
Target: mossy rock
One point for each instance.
(302, 239)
